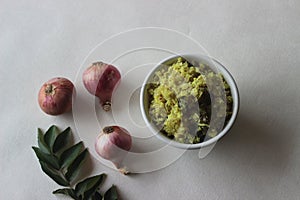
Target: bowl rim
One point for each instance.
(234, 91)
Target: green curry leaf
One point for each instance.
(41, 142)
(55, 175)
(111, 194)
(62, 162)
(50, 136)
(88, 187)
(46, 158)
(70, 154)
(61, 140)
(73, 169)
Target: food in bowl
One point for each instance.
(188, 103)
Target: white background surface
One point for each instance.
(259, 43)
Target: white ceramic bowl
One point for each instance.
(216, 66)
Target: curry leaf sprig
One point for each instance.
(62, 162)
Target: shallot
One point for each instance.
(101, 79)
(113, 144)
(55, 96)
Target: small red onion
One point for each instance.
(113, 144)
(55, 96)
(100, 79)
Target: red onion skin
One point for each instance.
(55, 96)
(113, 145)
(121, 138)
(101, 79)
